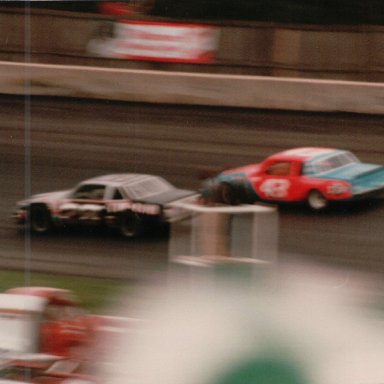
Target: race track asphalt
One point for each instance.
(49, 144)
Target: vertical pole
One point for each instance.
(211, 234)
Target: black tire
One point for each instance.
(227, 194)
(131, 224)
(40, 220)
(316, 201)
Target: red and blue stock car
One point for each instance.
(313, 175)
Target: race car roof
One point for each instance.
(121, 178)
(304, 153)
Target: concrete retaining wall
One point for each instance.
(188, 88)
(353, 53)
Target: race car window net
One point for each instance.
(330, 163)
(279, 169)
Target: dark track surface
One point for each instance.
(52, 144)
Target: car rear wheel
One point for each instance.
(131, 224)
(316, 201)
(40, 219)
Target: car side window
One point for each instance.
(281, 168)
(117, 195)
(89, 191)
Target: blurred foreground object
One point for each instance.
(316, 176)
(229, 318)
(44, 319)
(220, 322)
(43, 369)
(45, 337)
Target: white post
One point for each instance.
(246, 231)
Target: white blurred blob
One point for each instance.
(212, 325)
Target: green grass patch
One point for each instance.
(95, 295)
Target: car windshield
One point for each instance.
(326, 164)
(147, 187)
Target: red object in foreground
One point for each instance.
(64, 328)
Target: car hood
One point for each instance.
(169, 196)
(47, 197)
(367, 176)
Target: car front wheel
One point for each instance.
(40, 219)
(227, 195)
(316, 201)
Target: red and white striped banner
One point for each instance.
(167, 42)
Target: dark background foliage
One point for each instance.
(282, 11)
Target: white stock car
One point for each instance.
(130, 203)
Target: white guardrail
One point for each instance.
(191, 88)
